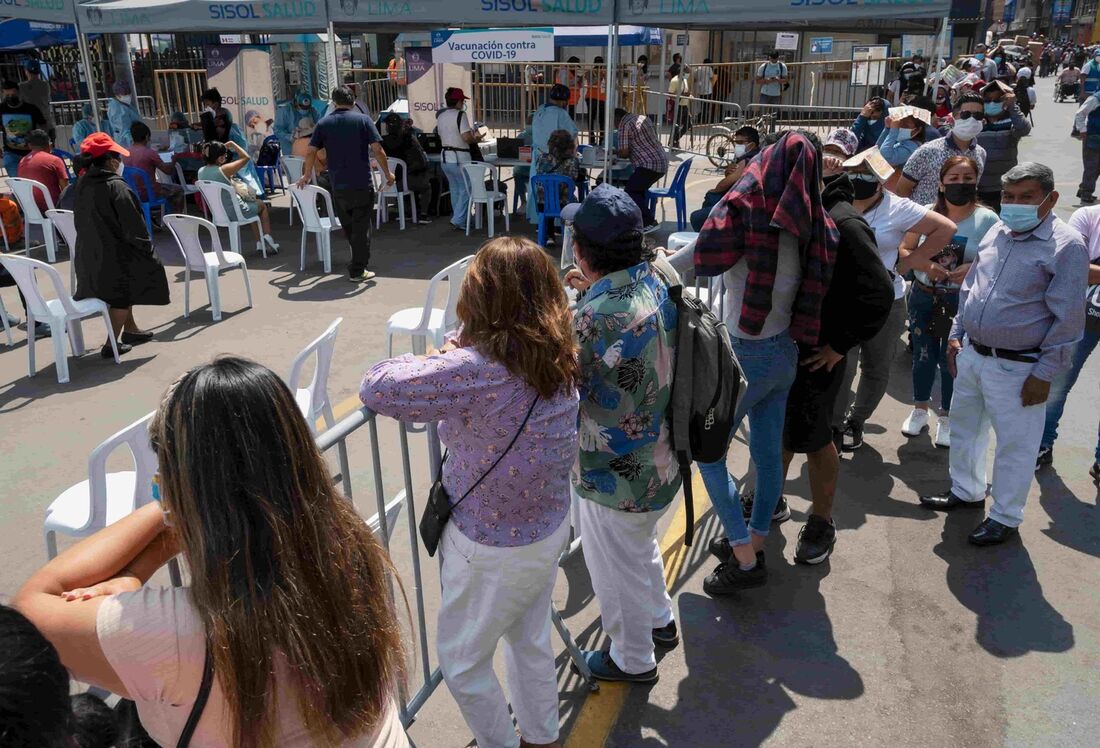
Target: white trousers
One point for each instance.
(628, 577)
(987, 394)
(490, 594)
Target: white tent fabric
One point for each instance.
(55, 11)
(685, 14)
(136, 16)
(432, 14)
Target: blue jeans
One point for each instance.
(769, 366)
(1063, 383)
(460, 196)
(929, 353)
(11, 162)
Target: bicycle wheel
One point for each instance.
(720, 149)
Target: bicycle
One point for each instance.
(720, 145)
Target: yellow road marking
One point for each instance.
(342, 410)
(601, 710)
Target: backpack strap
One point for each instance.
(200, 700)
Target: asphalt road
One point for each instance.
(907, 636)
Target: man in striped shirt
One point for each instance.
(638, 142)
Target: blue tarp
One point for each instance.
(17, 33)
(596, 36)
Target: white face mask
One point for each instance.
(126, 98)
(739, 149)
(119, 169)
(967, 129)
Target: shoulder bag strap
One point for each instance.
(502, 454)
(200, 700)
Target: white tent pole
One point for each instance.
(609, 102)
(330, 53)
(89, 72)
(941, 33)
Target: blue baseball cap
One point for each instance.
(607, 212)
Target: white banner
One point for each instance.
(493, 45)
(242, 74)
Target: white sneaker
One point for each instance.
(915, 423)
(943, 432)
(271, 243)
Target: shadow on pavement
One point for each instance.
(1000, 586)
(1074, 523)
(742, 655)
(85, 372)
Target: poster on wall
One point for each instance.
(786, 40)
(242, 74)
(869, 65)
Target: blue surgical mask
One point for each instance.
(1019, 217)
(993, 108)
(904, 134)
(979, 56)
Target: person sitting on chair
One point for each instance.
(561, 159)
(149, 161)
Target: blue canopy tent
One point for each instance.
(597, 36)
(60, 12)
(20, 33)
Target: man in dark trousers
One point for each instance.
(855, 308)
(350, 141)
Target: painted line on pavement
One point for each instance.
(600, 711)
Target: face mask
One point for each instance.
(865, 186)
(959, 193)
(998, 60)
(979, 56)
(904, 134)
(993, 108)
(1020, 218)
(12, 100)
(120, 167)
(209, 109)
(125, 98)
(739, 149)
(967, 129)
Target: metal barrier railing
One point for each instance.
(68, 112)
(377, 88)
(383, 525)
(178, 90)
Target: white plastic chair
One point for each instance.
(293, 166)
(397, 192)
(61, 314)
(65, 223)
(186, 231)
(24, 189)
(104, 498)
(212, 195)
(476, 174)
(189, 190)
(305, 198)
(426, 322)
(313, 399)
(4, 322)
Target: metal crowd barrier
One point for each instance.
(383, 524)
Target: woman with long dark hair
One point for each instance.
(505, 393)
(934, 297)
(289, 589)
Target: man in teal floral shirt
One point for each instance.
(626, 474)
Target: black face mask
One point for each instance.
(864, 189)
(959, 193)
(11, 100)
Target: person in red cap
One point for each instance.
(456, 135)
(114, 256)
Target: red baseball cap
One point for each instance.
(455, 94)
(99, 143)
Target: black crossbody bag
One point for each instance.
(132, 733)
(439, 508)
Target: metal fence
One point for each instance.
(178, 90)
(377, 88)
(428, 677)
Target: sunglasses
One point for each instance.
(967, 115)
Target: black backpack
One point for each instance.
(706, 383)
(269, 153)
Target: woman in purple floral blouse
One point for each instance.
(514, 352)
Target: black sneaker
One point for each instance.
(666, 637)
(853, 436)
(106, 351)
(729, 578)
(1095, 472)
(815, 540)
(721, 549)
(782, 512)
(1044, 458)
(1086, 199)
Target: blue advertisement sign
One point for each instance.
(1060, 12)
(821, 45)
(1010, 11)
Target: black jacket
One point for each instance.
(861, 291)
(114, 259)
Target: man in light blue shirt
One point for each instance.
(771, 77)
(1020, 317)
(551, 116)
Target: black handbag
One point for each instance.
(439, 508)
(132, 734)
